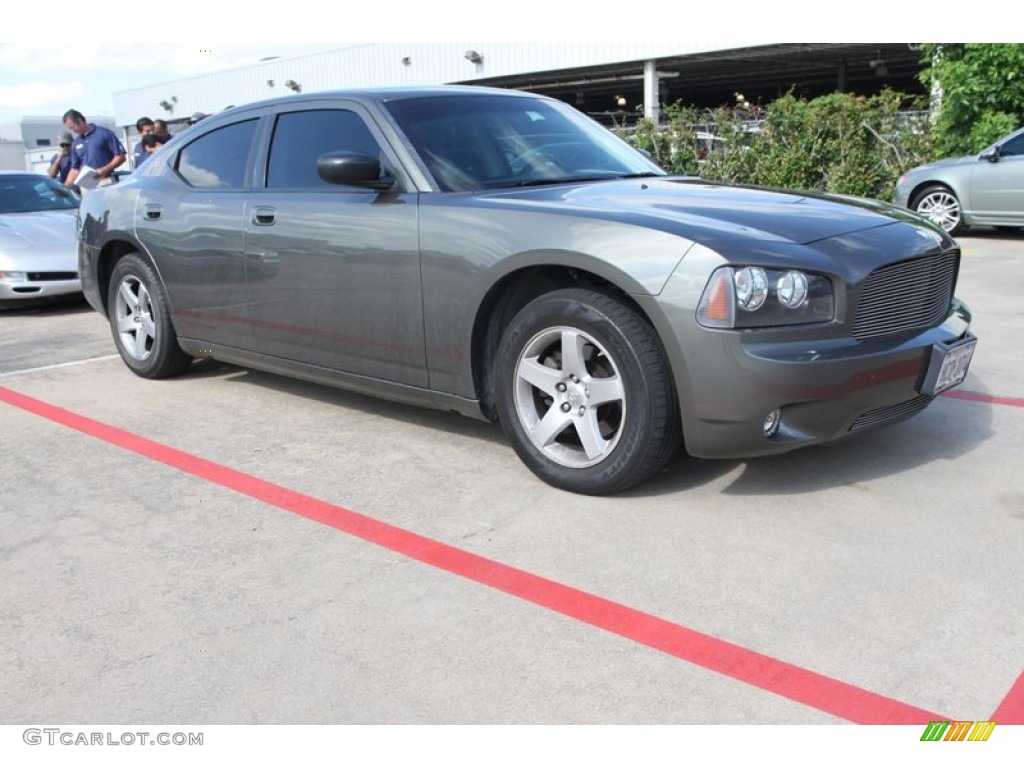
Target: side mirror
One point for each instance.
(991, 155)
(352, 169)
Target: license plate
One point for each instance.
(948, 366)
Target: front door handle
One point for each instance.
(263, 216)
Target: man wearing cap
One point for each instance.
(144, 126)
(60, 163)
(96, 147)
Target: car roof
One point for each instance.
(382, 94)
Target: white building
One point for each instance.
(602, 79)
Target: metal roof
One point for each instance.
(589, 76)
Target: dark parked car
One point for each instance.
(500, 255)
(960, 192)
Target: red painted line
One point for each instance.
(1011, 710)
(978, 397)
(779, 677)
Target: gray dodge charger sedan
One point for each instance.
(500, 255)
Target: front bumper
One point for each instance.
(825, 389)
(12, 292)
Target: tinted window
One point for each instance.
(1014, 146)
(218, 159)
(301, 137)
(21, 194)
(485, 142)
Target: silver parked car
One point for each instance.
(501, 255)
(983, 189)
(38, 244)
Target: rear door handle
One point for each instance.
(153, 212)
(263, 216)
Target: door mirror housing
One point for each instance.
(352, 169)
(992, 155)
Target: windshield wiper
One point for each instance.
(577, 179)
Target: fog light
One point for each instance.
(771, 423)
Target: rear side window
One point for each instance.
(301, 137)
(218, 159)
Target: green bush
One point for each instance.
(837, 143)
(981, 89)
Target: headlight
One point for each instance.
(751, 288)
(13, 277)
(754, 297)
(792, 290)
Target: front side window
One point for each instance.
(1014, 146)
(217, 160)
(302, 137)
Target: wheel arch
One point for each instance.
(112, 252)
(508, 296)
(962, 194)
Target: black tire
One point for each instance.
(140, 321)
(940, 205)
(584, 394)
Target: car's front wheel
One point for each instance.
(584, 392)
(940, 205)
(140, 321)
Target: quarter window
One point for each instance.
(218, 159)
(301, 137)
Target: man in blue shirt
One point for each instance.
(144, 126)
(96, 147)
(60, 164)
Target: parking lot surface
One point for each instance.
(234, 547)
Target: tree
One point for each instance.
(980, 90)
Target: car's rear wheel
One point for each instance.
(140, 321)
(938, 204)
(584, 392)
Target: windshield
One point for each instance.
(488, 142)
(21, 194)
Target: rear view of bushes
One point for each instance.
(837, 143)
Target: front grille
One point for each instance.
(39, 277)
(889, 413)
(912, 295)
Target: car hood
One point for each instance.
(948, 162)
(37, 230)
(708, 212)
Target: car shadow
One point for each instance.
(430, 418)
(71, 304)
(945, 430)
(948, 428)
(992, 233)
